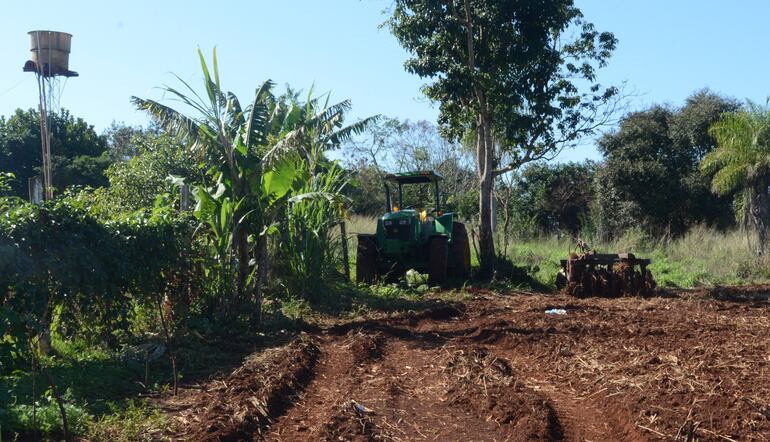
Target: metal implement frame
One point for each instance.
(606, 274)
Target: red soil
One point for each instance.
(497, 367)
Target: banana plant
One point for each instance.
(314, 127)
(230, 141)
(255, 158)
(221, 215)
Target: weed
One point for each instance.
(296, 308)
(131, 420)
(20, 418)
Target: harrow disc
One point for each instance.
(605, 275)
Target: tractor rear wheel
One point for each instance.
(461, 251)
(437, 260)
(366, 259)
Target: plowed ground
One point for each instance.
(499, 368)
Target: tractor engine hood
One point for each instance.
(401, 214)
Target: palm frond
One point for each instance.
(288, 143)
(198, 103)
(234, 111)
(211, 88)
(169, 119)
(256, 127)
(742, 156)
(216, 69)
(729, 179)
(329, 112)
(335, 139)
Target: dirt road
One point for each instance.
(500, 368)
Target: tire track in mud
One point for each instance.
(582, 420)
(386, 381)
(315, 407)
(499, 368)
(576, 418)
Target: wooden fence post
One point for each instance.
(345, 258)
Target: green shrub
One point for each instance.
(20, 419)
(60, 264)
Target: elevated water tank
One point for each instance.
(50, 53)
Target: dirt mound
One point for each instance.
(486, 384)
(350, 422)
(365, 347)
(443, 312)
(241, 406)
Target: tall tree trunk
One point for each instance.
(485, 152)
(761, 214)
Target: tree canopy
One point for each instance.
(78, 154)
(652, 160)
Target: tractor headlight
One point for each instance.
(403, 222)
(388, 223)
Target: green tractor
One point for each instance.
(414, 236)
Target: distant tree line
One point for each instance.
(659, 172)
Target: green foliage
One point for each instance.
(296, 308)
(366, 191)
(527, 62)
(47, 418)
(59, 258)
(231, 207)
(741, 163)
(5, 181)
(138, 180)
(548, 198)
(251, 156)
(652, 161)
(310, 246)
(743, 155)
(415, 279)
(125, 142)
(128, 422)
(78, 154)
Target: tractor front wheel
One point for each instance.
(366, 259)
(437, 260)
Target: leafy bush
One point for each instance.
(47, 419)
(59, 259)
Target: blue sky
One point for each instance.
(667, 50)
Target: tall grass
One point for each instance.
(361, 224)
(702, 257)
(311, 244)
